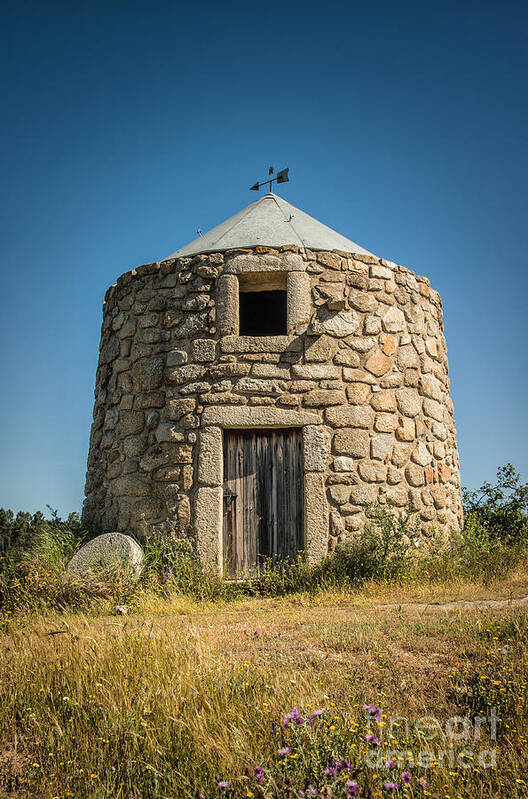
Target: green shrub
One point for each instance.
(499, 511)
(172, 565)
(33, 553)
(380, 552)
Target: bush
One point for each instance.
(379, 552)
(33, 553)
(172, 565)
(498, 512)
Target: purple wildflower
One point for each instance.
(390, 764)
(259, 773)
(332, 770)
(390, 786)
(373, 710)
(284, 751)
(310, 791)
(352, 787)
(317, 714)
(293, 715)
(423, 782)
(223, 784)
(406, 777)
(372, 739)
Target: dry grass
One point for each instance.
(180, 695)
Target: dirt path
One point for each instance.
(461, 603)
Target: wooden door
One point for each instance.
(263, 497)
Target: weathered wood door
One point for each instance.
(263, 497)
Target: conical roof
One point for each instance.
(271, 222)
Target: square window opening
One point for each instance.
(263, 305)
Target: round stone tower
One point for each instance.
(264, 384)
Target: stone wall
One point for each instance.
(365, 355)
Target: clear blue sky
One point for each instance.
(128, 125)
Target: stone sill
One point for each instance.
(256, 344)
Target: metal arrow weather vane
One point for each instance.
(282, 177)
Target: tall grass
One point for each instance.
(391, 548)
(132, 709)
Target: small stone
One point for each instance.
(372, 325)
(147, 374)
(394, 321)
(320, 398)
(339, 494)
(183, 374)
(394, 476)
(433, 409)
(358, 393)
(176, 408)
(408, 357)
(398, 495)
(406, 431)
(151, 399)
(176, 358)
(380, 446)
(358, 375)
(134, 446)
(383, 272)
(203, 349)
(314, 372)
(249, 385)
(378, 363)
(409, 401)
(130, 485)
(347, 358)
(350, 416)
(362, 301)
(130, 423)
(383, 401)
(168, 431)
(320, 349)
(342, 324)
(386, 422)
(415, 476)
(431, 345)
(440, 430)
(361, 343)
(363, 494)
(344, 464)
(401, 454)
(439, 495)
(352, 442)
(421, 455)
(431, 387)
(371, 472)
(388, 342)
(111, 418)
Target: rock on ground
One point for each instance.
(107, 550)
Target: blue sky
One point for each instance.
(128, 125)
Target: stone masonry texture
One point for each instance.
(365, 353)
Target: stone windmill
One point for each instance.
(263, 384)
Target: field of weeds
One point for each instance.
(381, 671)
(333, 695)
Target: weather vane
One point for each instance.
(282, 177)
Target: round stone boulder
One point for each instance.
(107, 550)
